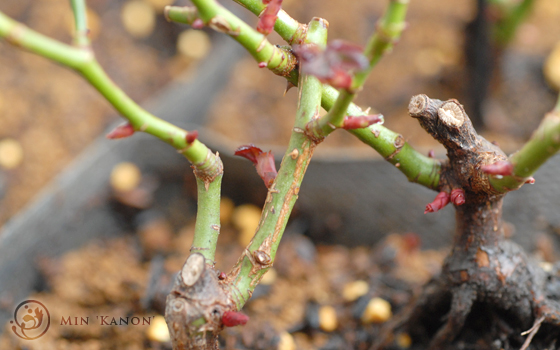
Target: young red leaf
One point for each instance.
(361, 121)
(439, 202)
(121, 131)
(263, 161)
(234, 318)
(503, 168)
(335, 64)
(458, 196)
(269, 16)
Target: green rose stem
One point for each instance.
(543, 144)
(277, 59)
(208, 166)
(282, 195)
(415, 166)
(389, 29)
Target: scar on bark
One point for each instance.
(488, 288)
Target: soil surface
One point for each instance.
(315, 297)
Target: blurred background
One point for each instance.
(49, 115)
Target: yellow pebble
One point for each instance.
(269, 277)
(246, 219)
(403, 340)
(193, 44)
(11, 153)
(125, 177)
(138, 18)
(226, 210)
(552, 68)
(377, 311)
(158, 330)
(286, 342)
(159, 5)
(354, 290)
(327, 318)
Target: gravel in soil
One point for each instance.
(316, 297)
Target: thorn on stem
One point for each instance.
(234, 318)
(191, 136)
(121, 131)
(458, 196)
(289, 85)
(262, 64)
(530, 180)
(362, 121)
(503, 168)
(439, 202)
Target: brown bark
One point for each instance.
(487, 283)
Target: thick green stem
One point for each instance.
(80, 23)
(278, 60)
(18, 34)
(207, 227)
(282, 195)
(544, 143)
(186, 14)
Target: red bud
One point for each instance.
(503, 168)
(262, 64)
(439, 202)
(263, 161)
(222, 276)
(458, 196)
(198, 24)
(268, 17)
(431, 153)
(361, 121)
(121, 131)
(191, 136)
(530, 180)
(234, 318)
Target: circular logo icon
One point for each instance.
(31, 320)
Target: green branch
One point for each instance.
(416, 167)
(543, 144)
(82, 60)
(280, 61)
(282, 195)
(207, 227)
(80, 23)
(389, 29)
(390, 145)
